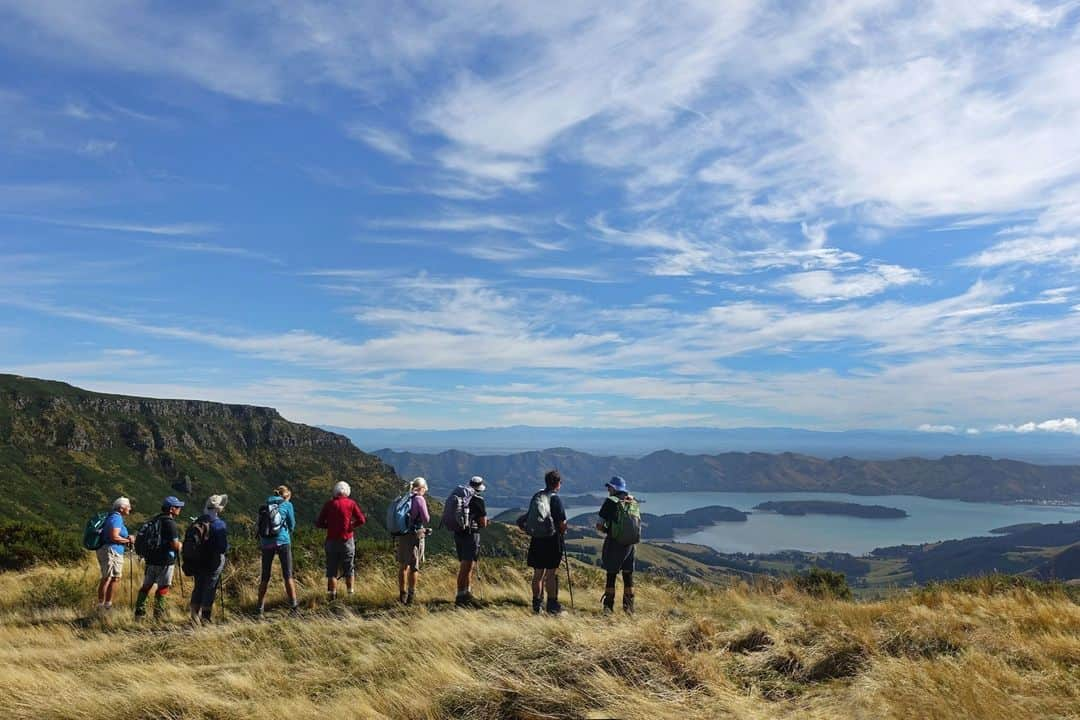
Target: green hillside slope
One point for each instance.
(65, 452)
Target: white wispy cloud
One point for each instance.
(827, 286)
(385, 141)
(214, 249)
(97, 148)
(1069, 425)
(169, 229)
(1059, 250)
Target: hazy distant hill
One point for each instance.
(1048, 448)
(960, 477)
(65, 452)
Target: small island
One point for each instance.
(828, 507)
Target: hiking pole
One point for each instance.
(179, 571)
(131, 578)
(569, 582)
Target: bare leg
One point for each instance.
(290, 590)
(262, 593)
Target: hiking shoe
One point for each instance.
(403, 598)
(140, 612)
(409, 598)
(538, 605)
(467, 600)
(554, 608)
(608, 601)
(628, 604)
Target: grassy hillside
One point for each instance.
(960, 477)
(980, 650)
(65, 452)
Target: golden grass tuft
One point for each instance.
(744, 652)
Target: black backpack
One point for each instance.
(195, 551)
(148, 539)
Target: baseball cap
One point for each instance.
(172, 501)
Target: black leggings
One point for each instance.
(627, 579)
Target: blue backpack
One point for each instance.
(397, 515)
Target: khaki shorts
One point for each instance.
(410, 551)
(160, 575)
(110, 561)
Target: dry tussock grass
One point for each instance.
(744, 652)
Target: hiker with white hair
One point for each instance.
(339, 517)
(205, 547)
(410, 533)
(115, 539)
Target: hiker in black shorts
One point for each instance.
(546, 542)
(467, 543)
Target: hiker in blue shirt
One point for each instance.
(212, 563)
(280, 546)
(110, 554)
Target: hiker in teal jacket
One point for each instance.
(281, 547)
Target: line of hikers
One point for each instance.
(203, 549)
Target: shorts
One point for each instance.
(160, 575)
(545, 553)
(341, 555)
(110, 561)
(467, 546)
(615, 557)
(410, 551)
(281, 551)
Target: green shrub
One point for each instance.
(823, 583)
(25, 544)
(61, 592)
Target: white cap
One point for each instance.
(477, 483)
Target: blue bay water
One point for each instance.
(928, 520)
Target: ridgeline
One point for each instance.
(974, 478)
(65, 452)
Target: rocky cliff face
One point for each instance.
(63, 439)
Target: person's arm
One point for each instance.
(606, 516)
(320, 521)
(115, 537)
(220, 535)
(558, 513)
(174, 533)
(479, 507)
(290, 518)
(422, 514)
(358, 516)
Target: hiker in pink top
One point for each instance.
(410, 546)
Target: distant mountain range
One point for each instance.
(1050, 448)
(958, 477)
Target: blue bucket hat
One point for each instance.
(617, 484)
(172, 501)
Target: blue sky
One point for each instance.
(826, 215)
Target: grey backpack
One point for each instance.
(538, 521)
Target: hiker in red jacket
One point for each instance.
(339, 517)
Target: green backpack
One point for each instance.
(626, 527)
(91, 537)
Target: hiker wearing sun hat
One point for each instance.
(158, 542)
(205, 546)
(620, 521)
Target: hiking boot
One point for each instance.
(409, 598)
(467, 600)
(628, 604)
(402, 598)
(554, 608)
(608, 601)
(538, 604)
(140, 612)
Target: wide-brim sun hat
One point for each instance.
(216, 502)
(617, 484)
(477, 483)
